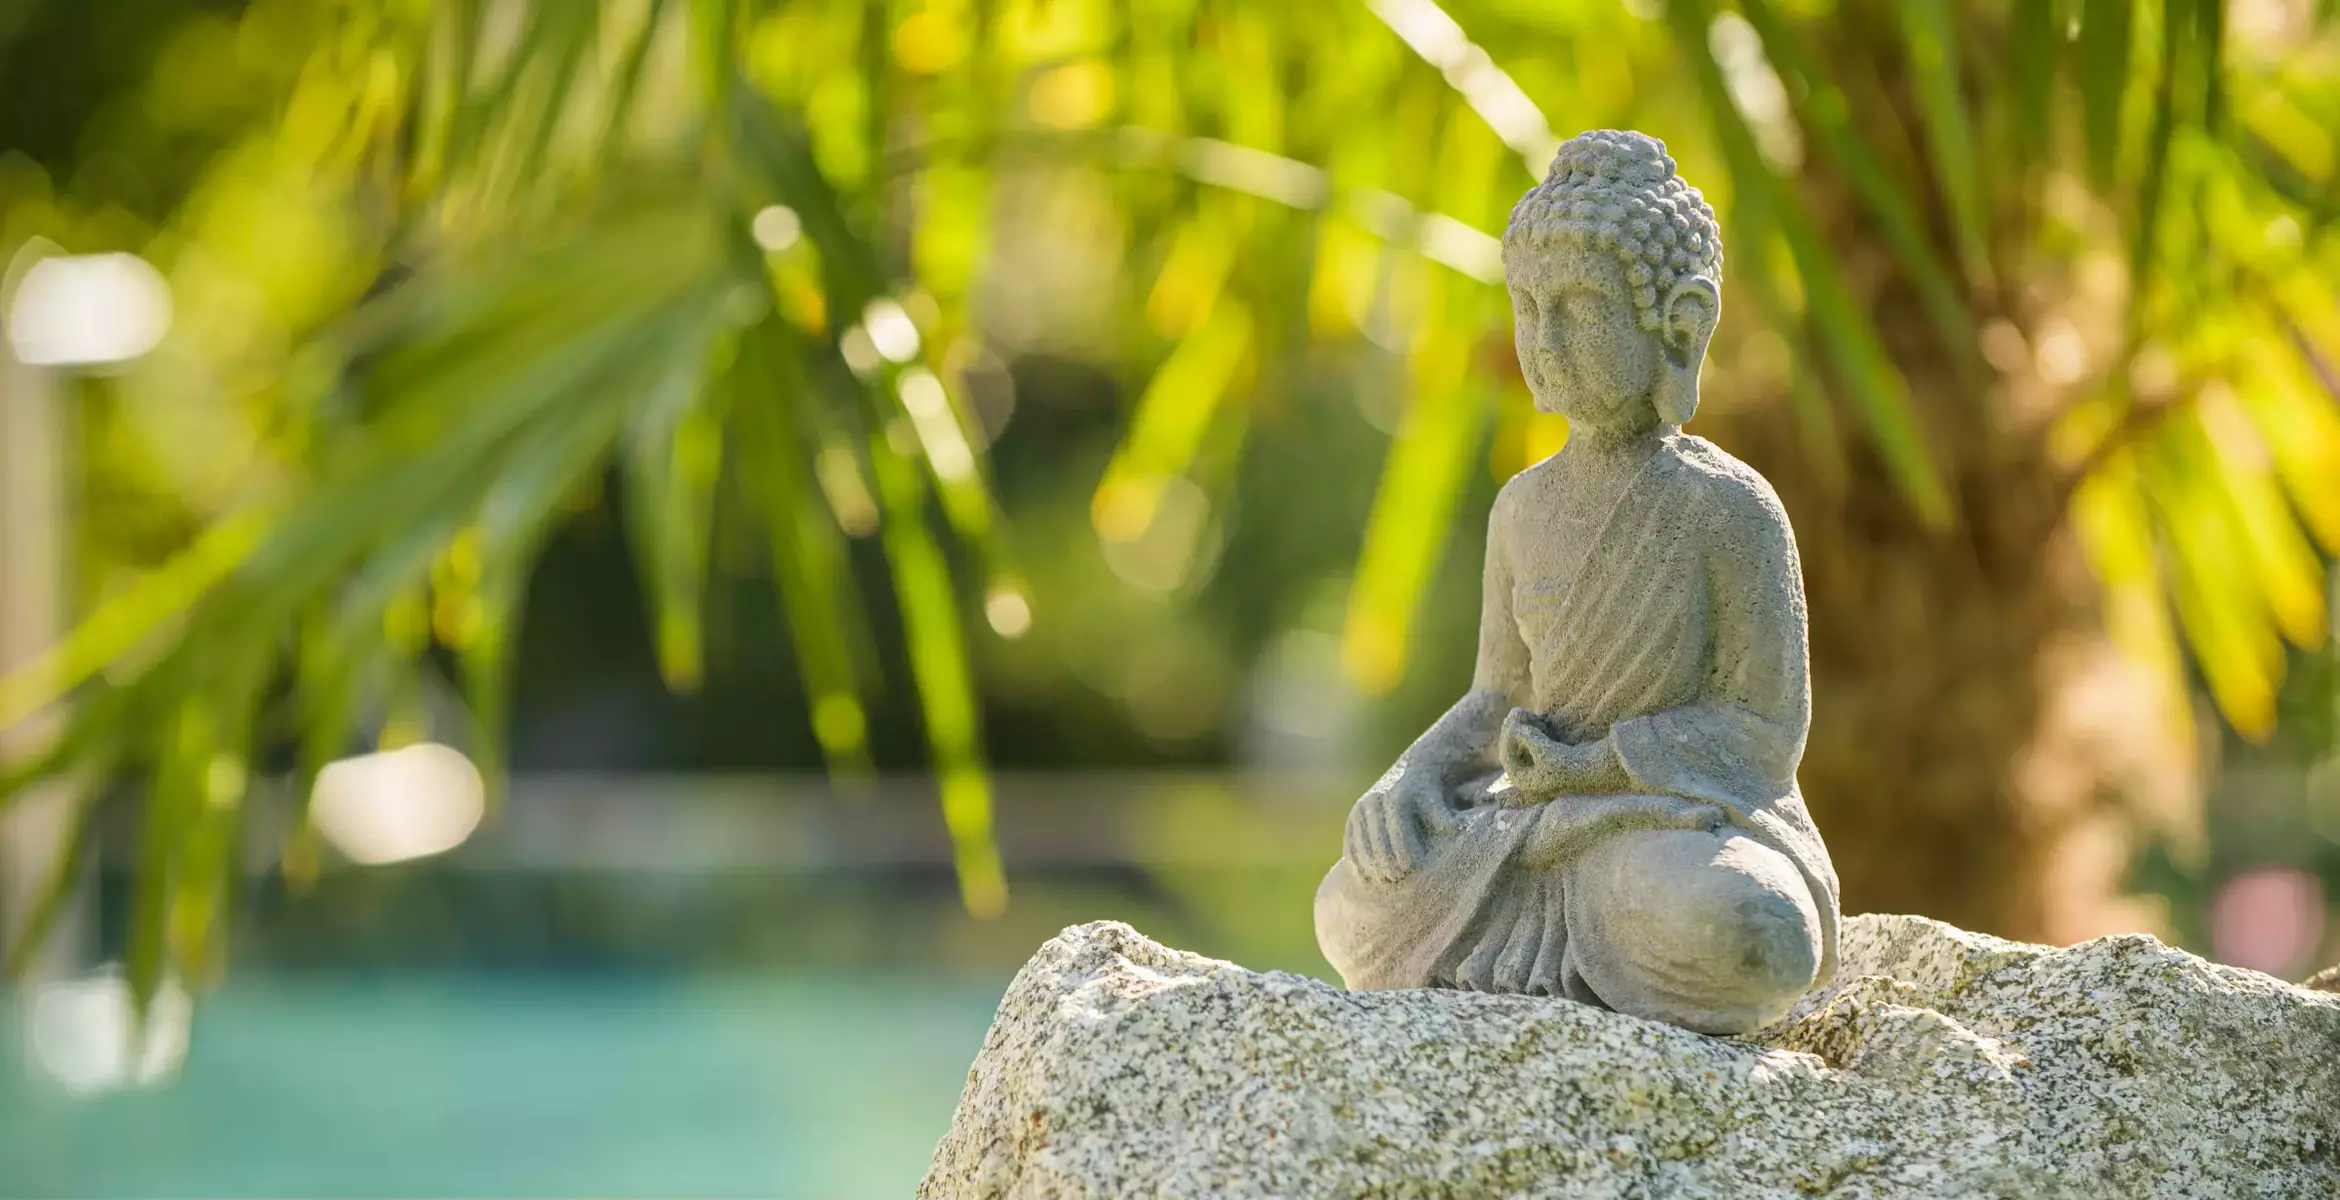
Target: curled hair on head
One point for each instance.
(1616, 190)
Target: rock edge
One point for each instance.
(1941, 1063)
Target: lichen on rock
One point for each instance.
(1940, 1063)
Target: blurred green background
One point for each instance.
(581, 582)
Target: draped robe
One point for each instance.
(1676, 630)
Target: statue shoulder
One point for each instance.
(1741, 499)
(1528, 491)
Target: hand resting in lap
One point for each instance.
(1389, 830)
(1582, 790)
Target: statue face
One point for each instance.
(1581, 345)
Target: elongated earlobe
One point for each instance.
(1677, 395)
(1690, 310)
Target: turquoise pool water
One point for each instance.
(520, 1085)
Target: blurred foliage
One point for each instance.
(447, 272)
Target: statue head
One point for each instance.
(1615, 271)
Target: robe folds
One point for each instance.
(1677, 631)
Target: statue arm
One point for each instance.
(1739, 742)
(1538, 766)
(1462, 743)
(1759, 677)
(1730, 750)
(1502, 668)
(1761, 655)
(1387, 829)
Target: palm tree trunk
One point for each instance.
(1975, 745)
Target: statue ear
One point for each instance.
(1688, 314)
(1690, 310)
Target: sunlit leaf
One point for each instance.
(1815, 418)
(2109, 512)
(2210, 31)
(1414, 503)
(2284, 563)
(673, 457)
(2034, 43)
(1930, 37)
(946, 690)
(922, 582)
(1171, 417)
(467, 255)
(626, 89)
(782, 157)
(1829, 114)
(2104, 79)
(1878, 391)
(808, 559)
(515, 517)
(2300, 426)
(560, 41)
(2174, 28)
(2224, 615)
(122, 623)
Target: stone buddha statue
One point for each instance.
(1611, 813)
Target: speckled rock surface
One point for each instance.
(1941, 1063)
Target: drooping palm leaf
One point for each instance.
(544, 270)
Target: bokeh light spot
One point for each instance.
(1073, 96)
(85, 1034)
(776, 228)
(891, 331)
(88, 310)
(381, 808)
(1169, 551)
(929, 43)
(1009, 613)
(2268, 919)
(838, 721)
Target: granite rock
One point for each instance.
(1940, 1063)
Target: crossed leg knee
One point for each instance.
(1716, 933)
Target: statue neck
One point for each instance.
(1629, 442)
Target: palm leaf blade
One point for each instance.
(1877, 389)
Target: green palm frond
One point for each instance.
(533, 258)
(1879, 392)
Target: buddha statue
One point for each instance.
(1610, 814)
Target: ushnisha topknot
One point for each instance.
(1616, 189)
